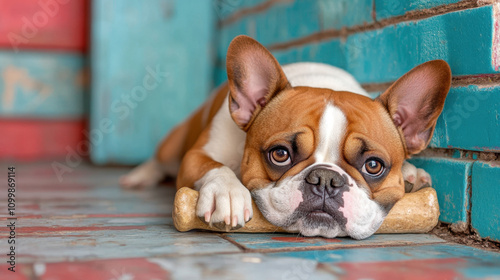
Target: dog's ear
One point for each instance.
(415, 101)
(254, 77)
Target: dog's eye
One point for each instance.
(373, 167)
(280, 156)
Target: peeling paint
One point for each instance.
(14, 77)
(496, 36)
(41, 84)
(62, 230)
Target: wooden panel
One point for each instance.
(84, 243)
(97, 242)
(39, 84)
(39, 139)
(47, 24)
(133, 268)
(21, 272)
(441, 261)
(151, 66)
(288, 241)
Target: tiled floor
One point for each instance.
(86, 227)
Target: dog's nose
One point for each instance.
(325, 180)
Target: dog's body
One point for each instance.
(318, 155)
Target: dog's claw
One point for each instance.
(247, 215)
(224, 202)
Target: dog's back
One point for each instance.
(183, 137)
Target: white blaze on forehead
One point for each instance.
(331, 131)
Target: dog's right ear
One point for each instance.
(254, 78)
(415, 101)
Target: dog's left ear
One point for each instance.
(254, 77)
(415, 101)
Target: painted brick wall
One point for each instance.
(378, 41)
(42, 77)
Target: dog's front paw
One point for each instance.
(224, 202)
(415, 178)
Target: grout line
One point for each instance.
(409, 16)
(468, 209)
(232, 241)
(464, 154)
(479, 80)
(458, 81)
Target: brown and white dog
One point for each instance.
(317, 155)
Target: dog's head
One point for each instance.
(324, 162)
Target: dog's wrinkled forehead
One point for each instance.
(316, 126)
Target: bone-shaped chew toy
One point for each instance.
(416, 212)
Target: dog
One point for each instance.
(304, 140)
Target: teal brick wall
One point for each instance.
(383, 55)
(450, 178)
(470, 120)
(485, 200)
(378, 41)
(387, 9)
